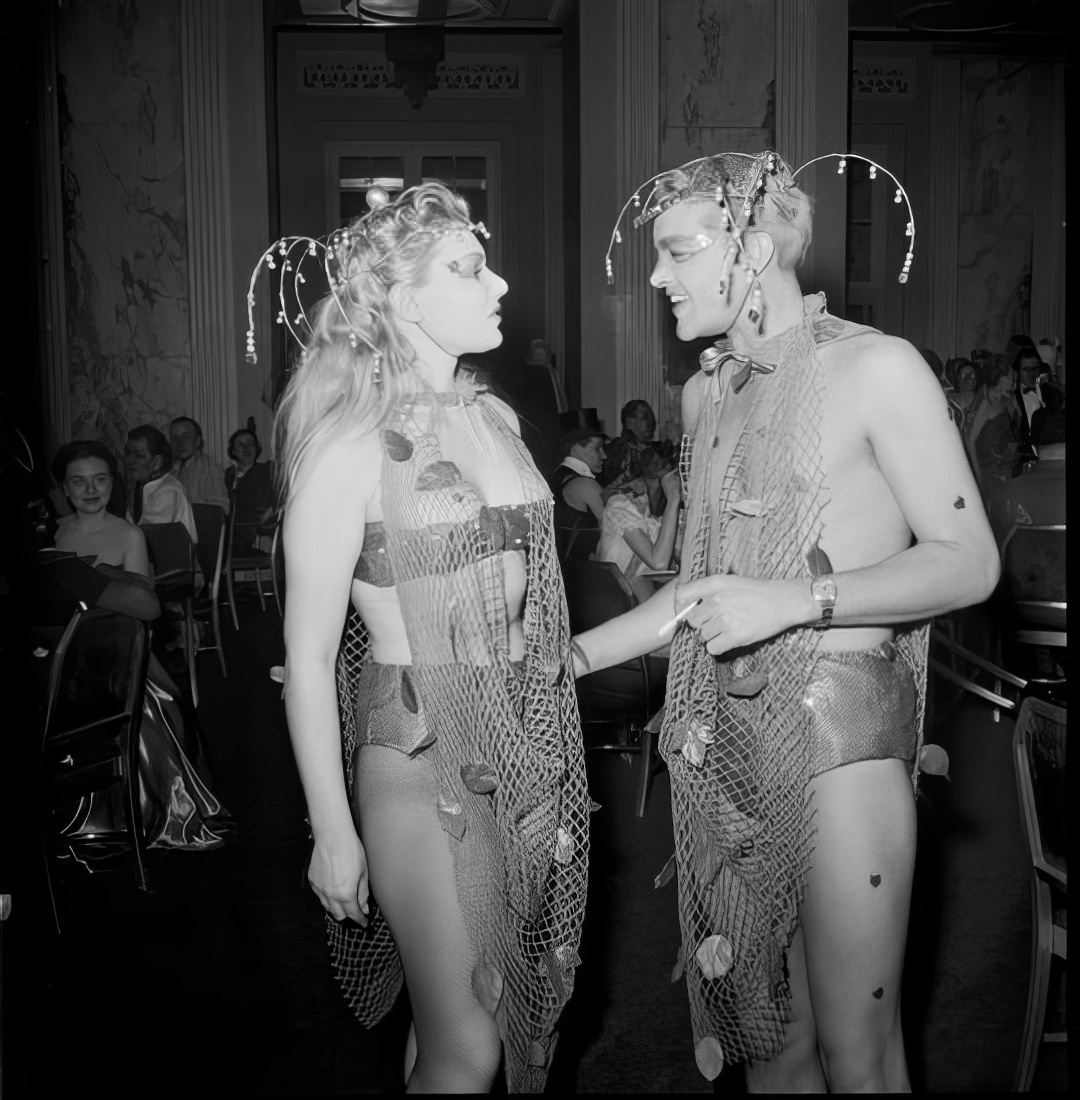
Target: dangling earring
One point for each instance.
(756, 313)
(376, 368)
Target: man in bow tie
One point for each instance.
(1029, 390)
(831, 512)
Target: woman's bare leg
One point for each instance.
(412, 877)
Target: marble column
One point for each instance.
(206, 171)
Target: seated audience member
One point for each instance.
(202, 478)
(996, 447)
(1038, 495)
(106, 568)
(155, 495)
(85, 472)
(634, 450)
(579, 505)
(634, 539)
(250, 484)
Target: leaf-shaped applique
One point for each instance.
(564, 846)
(396, 445)
(714, 956)
(439, 475)
(277, 674)
(934, 760)
(479, 778)
(749, 507)
(488, 984)
(408, 693)
(679, 968)
(709, 1055)
(744, 687)
(698, 738)
(594, 806)
(666, 873)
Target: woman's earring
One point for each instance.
(376, 368)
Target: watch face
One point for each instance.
(824, 590)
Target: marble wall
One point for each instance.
(122, 163)
(717, 84)
(996, 204)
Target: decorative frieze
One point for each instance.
(322, 73)
(881, 77)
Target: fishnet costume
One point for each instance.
(508, 751)
(736, 735)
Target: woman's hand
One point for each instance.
(339, 876)
(740, 611)
(671, 483)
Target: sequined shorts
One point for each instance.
(388, 710)
(863, 704)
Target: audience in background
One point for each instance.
(579, 504)
(996, 446)
(108, 567)
(202, 478)
(1030, 392)
(634, 450)
(154, 494)
(86, 471)
(250, 485)
(633, 538)
(1038, 495)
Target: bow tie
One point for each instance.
(745, 370)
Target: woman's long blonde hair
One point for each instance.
(332, 392)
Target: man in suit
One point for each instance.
(1031, 394)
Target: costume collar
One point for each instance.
(578, 466)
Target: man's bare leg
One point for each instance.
(849, 949)
(798, 1066)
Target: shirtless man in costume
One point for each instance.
(831, 513)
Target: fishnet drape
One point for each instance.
(736, 736)
(508, 751)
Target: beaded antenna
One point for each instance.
(738, 194)
(295, 259)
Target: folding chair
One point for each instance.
(1039, 757)
(243, 554)
(210, 523)
(90, 738)
(625, 696)
(172, 554)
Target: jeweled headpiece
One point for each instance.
(333, 258)
(739, 183)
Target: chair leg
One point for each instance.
(133, 811)
(277, 588)
(50, 878)
(189, 627)
(232, 596)
(645, 769)
(1038, 985)
(259, 589)
(215, 622)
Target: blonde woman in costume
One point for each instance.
(408, 492)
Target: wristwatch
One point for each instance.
(823, 589)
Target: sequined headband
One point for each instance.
(292, 256)
(747, 183)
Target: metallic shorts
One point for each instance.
(863, 704)
(388, 710)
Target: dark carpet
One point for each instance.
(217, 983)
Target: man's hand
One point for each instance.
(741, 611)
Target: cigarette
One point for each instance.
(669, 626)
